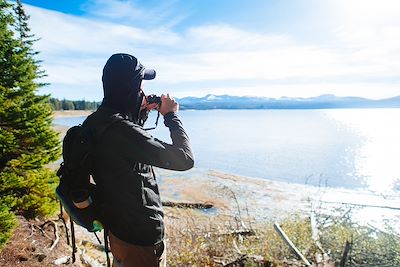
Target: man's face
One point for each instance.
(143, 105)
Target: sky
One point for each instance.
(268, 48)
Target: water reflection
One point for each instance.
(340, 147)
(377, 158)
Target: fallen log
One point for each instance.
(243, 232)
(189, 205)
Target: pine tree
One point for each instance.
(27, 141)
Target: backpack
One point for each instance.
(76, 191)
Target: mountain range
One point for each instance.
(327, 101)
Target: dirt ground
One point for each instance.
(254, 201)
(31, 245)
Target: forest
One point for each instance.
(64, 104)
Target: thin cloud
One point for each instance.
(63, 33)
(211, 37)
(74, 50)
(129, 12)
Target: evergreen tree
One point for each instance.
(27, 141)
(67, 105)
(64, 104)
(55, 104)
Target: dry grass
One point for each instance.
(197, 239)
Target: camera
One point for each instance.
(153, 99)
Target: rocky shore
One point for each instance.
(265, 200)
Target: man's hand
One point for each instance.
(168, 104)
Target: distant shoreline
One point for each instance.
(71, 113)
(80, 113)
(62, 129)
(325, 101)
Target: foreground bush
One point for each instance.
(7, 224)
(30, 193)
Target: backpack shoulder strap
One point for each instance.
(98, 128)
(112, 120)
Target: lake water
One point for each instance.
(337, 147)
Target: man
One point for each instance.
(125, 154)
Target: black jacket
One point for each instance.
(125, 154)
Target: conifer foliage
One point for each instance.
(27, 141)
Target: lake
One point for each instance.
(349, 148)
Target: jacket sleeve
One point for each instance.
(141, 147)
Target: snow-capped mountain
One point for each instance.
(211, 101)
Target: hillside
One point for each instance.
(321, 102)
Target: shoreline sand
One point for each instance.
(263, 199)
(71, 113)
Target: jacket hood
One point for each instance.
(122, 77)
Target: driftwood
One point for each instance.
(189, 205)
(243, 232)
(56, 235)
(291, 245)
(362, 205)
(41, 229)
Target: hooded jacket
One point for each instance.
(125, 154)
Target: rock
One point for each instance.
(40, 256)
(22, 257)
(63, 260)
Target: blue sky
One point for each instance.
(272, 48)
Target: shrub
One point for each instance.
(7, 224)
